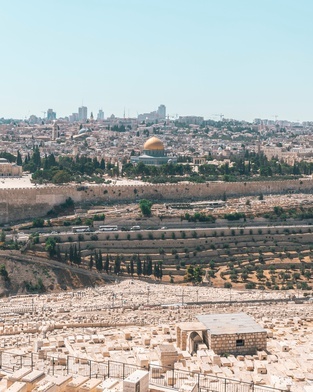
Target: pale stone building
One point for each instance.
(229, 333)
(198, 160)
(8, 169)
(233, 333)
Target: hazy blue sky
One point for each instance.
(242, 58)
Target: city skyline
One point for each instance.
(240, 59)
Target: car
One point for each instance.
(133, 228)
(163, 227)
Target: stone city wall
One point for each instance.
(27, 203)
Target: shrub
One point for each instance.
(234, 216)
(97, 217)
(38, 222)
(4, 273)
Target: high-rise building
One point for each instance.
(51, 115)
(162, 112)
(82, 113)
(100, 115)
(157, 115)
(73, 117)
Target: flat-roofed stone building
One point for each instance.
(233, 333)
(8, 169)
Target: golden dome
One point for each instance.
(153, 144)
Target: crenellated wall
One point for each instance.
(27, 203)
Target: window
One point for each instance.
(240, 342)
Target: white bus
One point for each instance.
(107, 228)
(81, 229)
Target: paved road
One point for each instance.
(180, 227)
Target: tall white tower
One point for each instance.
(55, 130)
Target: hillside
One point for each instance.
(29, 273)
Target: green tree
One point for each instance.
(99, 262)
(38, 222)
(107, 264)
(2, 236)
(61, 176)
(149, 266)
(131, 267)
(19, 159)
(71, 254)
(50, 246)
(58, 253)
(139, 266)
(91, 262)
(4, 272)
(145, 207)
(117, 264)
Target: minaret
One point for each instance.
(55, 129)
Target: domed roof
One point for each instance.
(153, 144)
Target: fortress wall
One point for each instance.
(27, 203)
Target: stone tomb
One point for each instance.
(233, 333)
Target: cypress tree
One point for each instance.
(160, 270)
(149, 266)
(131, 267)
(139, 266)
(71, 254)
(19, 159)
(91, 262)
(117, 265)
(75, 255)
(79, 254)
(58, 252)
(107, 264)
(99, 264)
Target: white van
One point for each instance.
(133, 228)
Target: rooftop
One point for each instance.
(229, 323)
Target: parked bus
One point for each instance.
(81, 229)
(107, 228)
